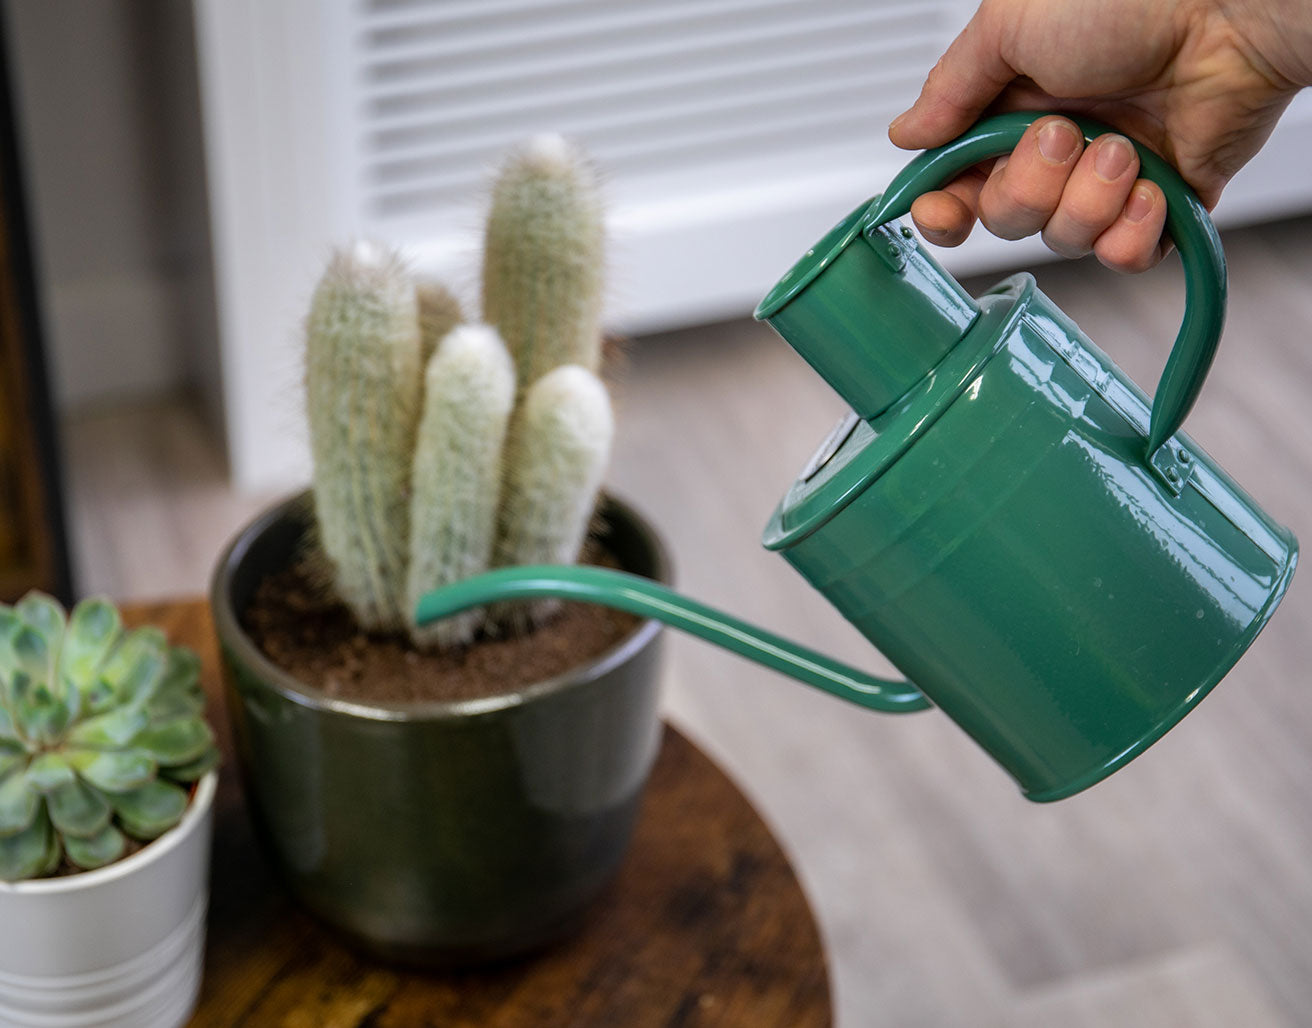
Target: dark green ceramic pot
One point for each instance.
(453, 832)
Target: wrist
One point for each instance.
(1279, 34)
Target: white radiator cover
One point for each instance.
(731, 134)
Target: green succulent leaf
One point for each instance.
(175, 742)
(105, 847)
(8, 731)
(136, 665)
(179, 692)
(29, 853)
(9, 622)
(49, 771)
(99, 698)
(42, 715)
(182, 670)
(11, 758)
(18, 689)
(150, 810)
(111, 730)
(93, 629)
(19, 803)
(165, 706)
(193, 770)
(42, 612)
(31, 653)
(112, 771)
(78, 810)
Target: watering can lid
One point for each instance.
(857, 452)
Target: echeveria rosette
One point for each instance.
(102, 730)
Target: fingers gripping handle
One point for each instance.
(1187, 223)
(646, 598)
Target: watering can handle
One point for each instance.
(642, 596)
(1187, 223)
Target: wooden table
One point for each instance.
(705, 925)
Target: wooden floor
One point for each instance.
(1177, 893)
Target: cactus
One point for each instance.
(408, 413)
(100, 731)
(543, 260)
(556, 456)
(439, 313)
(469, 389)
(362, 388)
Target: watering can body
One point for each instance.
(1012, 522)
(1001, 537)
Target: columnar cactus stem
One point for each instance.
(469, 392)
(543, 261)
(362, 384)
(556, 455)
(439, 313)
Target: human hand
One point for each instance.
(1201, 82)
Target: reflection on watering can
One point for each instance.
(1003, 514)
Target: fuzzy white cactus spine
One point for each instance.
(544, 260)
(556, 456)
(469, 392)
(362, 384)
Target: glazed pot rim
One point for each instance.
(155, 850)
(233, 635)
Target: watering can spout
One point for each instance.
(623, 591)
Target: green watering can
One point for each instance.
(1003, 514)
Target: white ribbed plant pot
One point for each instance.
(118, 947)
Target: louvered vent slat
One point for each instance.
(510, 54)
(580, 24)
(617, 135)
(650, 87)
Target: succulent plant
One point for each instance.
(438, 448)
(101, 732)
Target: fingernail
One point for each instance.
(1114, 156)
(1057, 142)
(1140, 204)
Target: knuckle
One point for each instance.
(1012, 212)
(1088, 214)
(1125, 257)
(1064, 245)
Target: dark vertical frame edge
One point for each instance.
(14, 210)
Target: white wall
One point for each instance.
(290, 88)
(108, 107)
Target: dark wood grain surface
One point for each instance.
(705, 925)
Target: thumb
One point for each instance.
(966, 79)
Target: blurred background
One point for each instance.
(175, 174)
